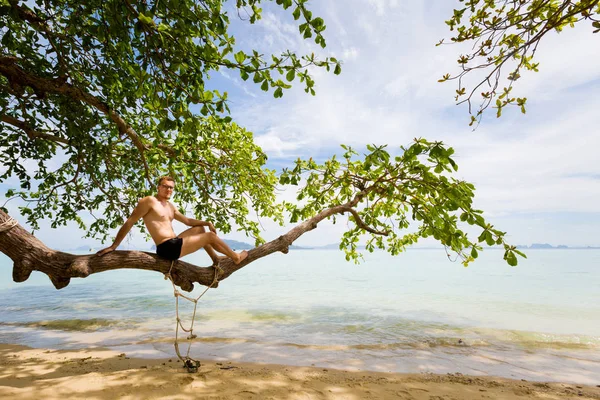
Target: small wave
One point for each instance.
(272, 316)
(208, 339)
(71, 324)
(253, 316)
(539, 340)
(358, 329)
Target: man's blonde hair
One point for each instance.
(165, 178)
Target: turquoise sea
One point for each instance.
(417, 312)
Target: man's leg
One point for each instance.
(209, 249)
(192, 243)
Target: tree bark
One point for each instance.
(29, 254)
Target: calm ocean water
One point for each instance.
(417, 312)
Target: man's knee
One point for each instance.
(199, 229)
(211, 236)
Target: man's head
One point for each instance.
(166, 184)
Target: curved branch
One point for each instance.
(30, 132)
(29, 254)
(364, 226)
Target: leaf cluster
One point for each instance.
(389, 195)
(505, 35)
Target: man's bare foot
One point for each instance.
(241, 257)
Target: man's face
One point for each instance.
(165, 188)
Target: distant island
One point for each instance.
(541, 246)
(549, 246)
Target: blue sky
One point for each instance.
(537, 175)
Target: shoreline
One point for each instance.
(563, 365)
(32, 373)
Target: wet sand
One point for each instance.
(27, 373)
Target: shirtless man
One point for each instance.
(158, 214)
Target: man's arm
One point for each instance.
(191, 221)
(140, 210)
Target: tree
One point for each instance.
(117, 93)
(505, 36)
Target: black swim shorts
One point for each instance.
(170, 249)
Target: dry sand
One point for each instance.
(27, 373)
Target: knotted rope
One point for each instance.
(191, 364)
(8, 224)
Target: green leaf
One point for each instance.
(474, 253)
(291, 74)
(317, 23)
(520, 253)
(240, 56)
(145, 19)
(489, 239)
(511, 259)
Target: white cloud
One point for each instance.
(388, 92)
(350, 53)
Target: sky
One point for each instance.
(537, 175)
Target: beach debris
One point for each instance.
(121, 355)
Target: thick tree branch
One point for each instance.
(30, 132)
(30, 254)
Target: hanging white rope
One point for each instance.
(8, 224)
(191, 364)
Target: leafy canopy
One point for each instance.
(505, 36)
(98, 98)
(119, 92)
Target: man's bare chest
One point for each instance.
(161, 213)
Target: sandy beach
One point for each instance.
(27, 373)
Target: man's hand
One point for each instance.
(105, 251)
(211, 227)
